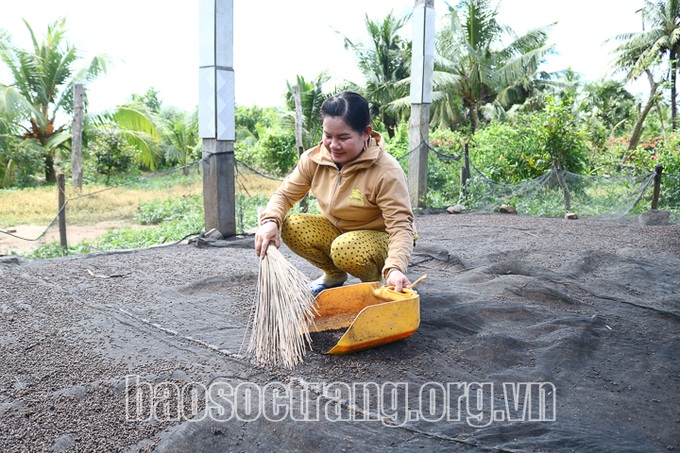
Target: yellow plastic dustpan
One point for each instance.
(372, 315)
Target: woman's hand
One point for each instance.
(266, 233)
(397, 279)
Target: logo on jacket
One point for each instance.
(356, 198)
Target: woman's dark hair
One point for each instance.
(351, 107)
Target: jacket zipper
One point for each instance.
(335, 193)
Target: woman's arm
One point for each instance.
(291, 190)
(395, 204)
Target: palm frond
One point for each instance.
(13, 105)
(137, 129)
(57, 140)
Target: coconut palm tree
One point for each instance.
(42, 90)
(180, 134)
(43, 87)
(472, 65)
(385, 62)
(609, 102)
(658, 43)
(311, 98)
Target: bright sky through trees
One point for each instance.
(154, 42)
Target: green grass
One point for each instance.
(170, 220)
(167, 206)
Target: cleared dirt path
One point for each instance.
(74, 234)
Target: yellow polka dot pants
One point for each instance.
(361, 253)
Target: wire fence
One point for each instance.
(138, 203)
(552, 194)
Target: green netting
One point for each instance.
(558, 192)
(553, 194)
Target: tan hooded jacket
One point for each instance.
(368, 193)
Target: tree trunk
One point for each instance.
(77, 138)
(474, 117)
(637, 129)
(663, 126)
(674, 94)
(304, 206)
(50, 175)
(389, 123)
(563, 185)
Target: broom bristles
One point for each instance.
(284, 310)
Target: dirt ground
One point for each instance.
(74, 235)
(536, 334)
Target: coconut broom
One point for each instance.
(284, 309)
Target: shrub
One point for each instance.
(669, 156)
(445, 160)
(155, 212)
(559, 137)
(276, 152)
(524, 148)
(113, 155)
(506, 152)
(20, 161)
(616, 158)
(399, 145)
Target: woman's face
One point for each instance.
(342, 141)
